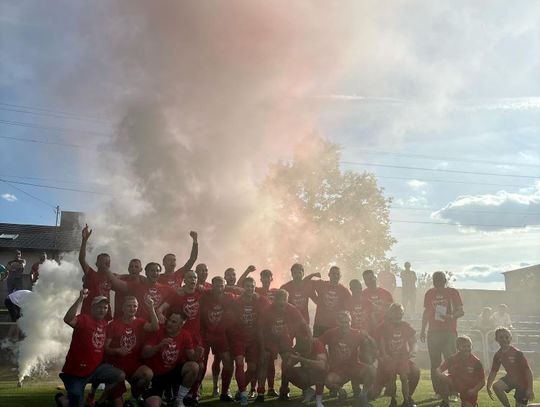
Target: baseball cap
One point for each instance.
(98, 299)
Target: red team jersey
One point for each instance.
(343, 349)
(172, 280)
(287, 323)
(299, 295)
(128, 337)
(514, 363)
(215, 314)
(97, 284)
(330, 300)
(440, 302)
(190, 303)
(380, 299)
(360, 310)
(119, 296)
(87, 346)
(245, 317)
(158, 292)
(169, 356)
(267, 292)
(395, 339)
(465, 373)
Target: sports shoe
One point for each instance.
(453, 398)
(215, 393)
(309, 394)
(226, 398)
(57, 398)
(393, 402)
(272, 393)
(252, 394)
(243, 400)
(284, 397)
(178, 403)
(259, 398)
(341, 395)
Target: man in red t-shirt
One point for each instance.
(344, 350)
(230, 276)
(311, 354)
(134, 274)
(148, 287)
(379, 298)
(202, 274)
(360, 308)
(518, 373)
(331, 298)
(215, 320)
(34, 273)
(300, 289)
(173, 277)
(465, 374)
(125, 338)
(278, 326)
(97, 282)
(397, 343)
(246, 311)
(84, 359)
(170, 355)
(442, 308)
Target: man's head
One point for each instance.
(18, 255)
(334, 274)
(464, 345)
(169, 262)
(344, 320)
(202, 273)
(43, 257)
(152, 271)
(280, 299)
(266, 278)
(175, 321)
(130, 306)
(249, 286)
(103, 262)
(407, 265)
(190, 279)
(369, 279)
(503, 337)
(230, 276)
(218, 285)
(439, 279)
(134, 267)
(355, 287)
(100, 306)
(395, 312)
(297, 272)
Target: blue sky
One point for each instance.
(452, 87)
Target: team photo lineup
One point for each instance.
(163, 326)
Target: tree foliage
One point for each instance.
(323, 215)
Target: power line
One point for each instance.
(38, 110)
(48, 179)
(454, 182)
(430, 157)
(27, 193)
(458, 224)
(59, 129)
(37, 141)
(439, 169)
(465, 210)
(54, 187)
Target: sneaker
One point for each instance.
(309, 394)
(393, 402)
(252, 394)
(178, 403)
(453, 398)
(57, 398)
(284, 397)
(243, 399)
(215, 393)
(259, 398)
(226, 398)
(91, 400)
(272, 393)
(342, 395)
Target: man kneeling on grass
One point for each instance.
(465, 374)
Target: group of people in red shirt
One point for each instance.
(166, 324)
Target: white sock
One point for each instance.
(182, 392)
(318, 400)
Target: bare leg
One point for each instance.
(500, 388)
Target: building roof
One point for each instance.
(64, 238)
(534, 269)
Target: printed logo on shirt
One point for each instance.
(98, 338)
(278, 326)
(104, 287)
(215, 314)
(298, 300)
(512, 359)
(128, 340)
(331, 299)
(358, 314)
(169, 355)
(470, 370)
(396, 343)
(154, 294)
(191, 308)
(343, 350)
(249, 315)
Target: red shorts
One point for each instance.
(462, 390)
(249, 349)
(349, 371)
(218, 343)
(280, 345)
(386, 374)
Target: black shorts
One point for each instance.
(14, 310)
(161, 383)
(520, 395)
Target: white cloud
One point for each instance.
(503, 209)
(416, 184)
(9, 197)
(412, 201)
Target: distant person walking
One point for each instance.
(15, 270)
(387, 279)
(408, 289)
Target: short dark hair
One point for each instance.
(152, 263)
(178, 311)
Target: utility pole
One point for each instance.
(57, 212)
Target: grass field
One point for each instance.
(40, 393)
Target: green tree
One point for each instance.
(323, 215)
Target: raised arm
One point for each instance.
(153, 325)
(249, 270)
(82, 252)
(71, 315)
(116, 283)
(194, 253)
(312, 275)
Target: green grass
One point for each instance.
(40, 393)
